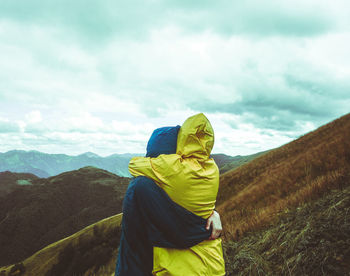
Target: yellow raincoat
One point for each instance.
(191, 179)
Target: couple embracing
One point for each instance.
(169, 226)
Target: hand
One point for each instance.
(215, 222)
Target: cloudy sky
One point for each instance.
(99, 76)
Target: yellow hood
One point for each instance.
(195, 138)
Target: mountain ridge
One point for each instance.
(33, 216)
(285, 177)
(45, 165)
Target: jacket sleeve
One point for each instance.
(159, 169)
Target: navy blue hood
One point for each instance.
(163, 141)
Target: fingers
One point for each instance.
(215, 223)
(216, 233)
(209, 222)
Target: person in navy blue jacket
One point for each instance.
(151, 218)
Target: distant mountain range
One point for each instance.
(45, 164)
(33, 216)
(227, 162)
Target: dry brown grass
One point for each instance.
(313, 239)
(251, 195)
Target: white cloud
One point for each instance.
(260, 85)
(6, 126)
(127, 128)
(34, 117)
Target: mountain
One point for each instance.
(91, 251)
(89, 154)
(33, 216)
(305, 169)
(10, 181)
(226, 162)
(45, 165)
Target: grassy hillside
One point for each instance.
(305, 169)
(313, 239)
(91, 251)
(34, 216)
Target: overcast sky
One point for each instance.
(99, 76)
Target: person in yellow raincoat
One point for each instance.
(191, 179)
